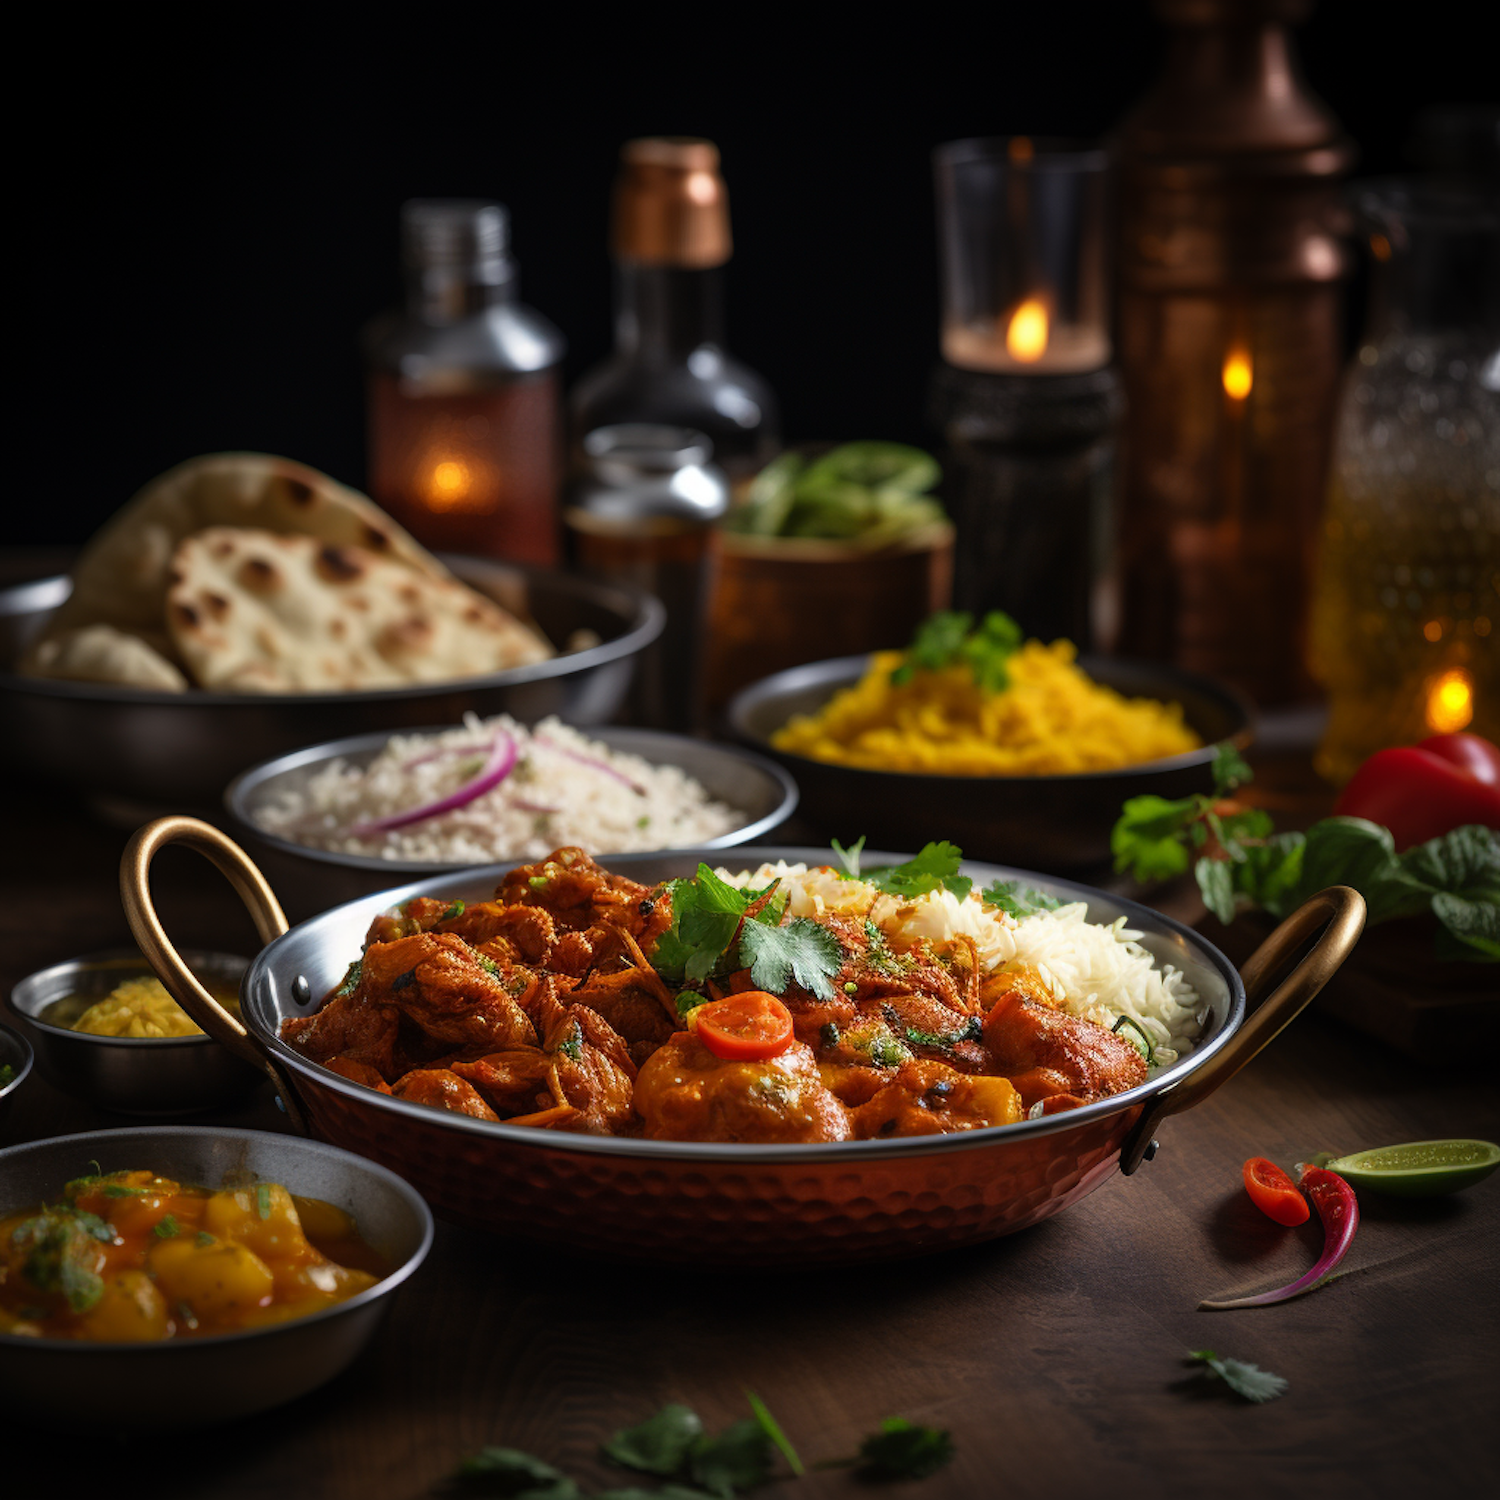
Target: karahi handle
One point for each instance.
(167, 963)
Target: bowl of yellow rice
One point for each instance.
(1031, 773)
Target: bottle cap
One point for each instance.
(671, 207)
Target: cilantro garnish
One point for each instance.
(57, 1254)
(203, 1239)
(351, 979)
(572, 1044)
(718, 928)
(971, 1031)
(456, 910)
(905, 1450)
(946, 638)
(263, 1200)
(1017, 900)
(1246, 1380)
(166, 1227)
(934, 868)
(488, 964)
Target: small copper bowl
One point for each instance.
(191, 1382)
(153, 1076)
(681, 1200)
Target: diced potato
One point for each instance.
(220, 1281)
(262, 1217)
(132, 1310)
(993, 1098)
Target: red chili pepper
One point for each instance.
(1339, 1210)
(1274, 1193)
(1421, 792)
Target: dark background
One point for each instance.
(205, 220)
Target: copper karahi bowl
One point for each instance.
(676, 1200)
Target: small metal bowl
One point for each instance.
(135, 1075)
(16, 1051)
(309, 880)
(191, 1382)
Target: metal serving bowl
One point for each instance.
(1047, 822)
(194, 1381)
(15, 1051)
(136, 1075)
(679, 1200)
(181, 748)
(310, 880)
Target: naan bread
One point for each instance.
(253, 612)
(100, 653)
(120, 579)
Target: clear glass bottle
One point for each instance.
(465, 443)
(1406, 616)
(669, 242)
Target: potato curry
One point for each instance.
(580, 1000)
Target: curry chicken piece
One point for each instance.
(1048, 1053)
(687, 1093)
(927, 1097)
(444, 1089)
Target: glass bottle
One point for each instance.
(669, 242)
(1407, 609)
(463, 400)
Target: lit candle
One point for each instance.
(1450, 702)
(1027, 340)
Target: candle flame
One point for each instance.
(448, 486)
(1450, 703)
(1239, 374)
(1026, 333)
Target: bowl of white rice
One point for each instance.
(348, 817)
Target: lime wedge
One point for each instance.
(1419, 1169)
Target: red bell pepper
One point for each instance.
(1421, 792)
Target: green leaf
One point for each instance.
(263, 1200)
(1216, 881)
(456, 910)
(802, 950)
(945, 638)
(515, 1475)
(1270, 873)
(772, 1429)
(1246, 1380)
(935, 866)
(1473, 925)
(849, 858)
(57, 1254)
(1354, 851)
(351, 979)
(166, 1227)
(1149, 839)
(1016, 899)
(1465, 862)
(1230, 770)
(738, 1459)
(971, 1031)
(905, 1450)
(659, 1445)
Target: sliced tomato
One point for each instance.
(744, 1028)
(1274, 1193)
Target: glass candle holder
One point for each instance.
(463, 401)
(1025, 396)
(1022, 231)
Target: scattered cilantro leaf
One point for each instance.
(572, 1044)
(802, 950)
(905, 1450)
(1230, 769)
(350, 981)
(659, 1445)
(263, 1200)
(203, 1239)
(57, 1254)
(1017, 900)
(971, 1031)
(738, 1459)
(516, 1475)
(1246, 1380)
(488, 964)
(166, 1228)
(947, 638)
(772, 1429)
(936, 866)
(121, 1190)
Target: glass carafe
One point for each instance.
(1406, 618)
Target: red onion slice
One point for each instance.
(594, 761)
(502, 759)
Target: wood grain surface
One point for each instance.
(1054, 1357)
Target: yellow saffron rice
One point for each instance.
(1052, 720)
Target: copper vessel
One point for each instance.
(1229, 344)
(741, 1204)
(671, 207)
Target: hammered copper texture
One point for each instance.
(659, 1209)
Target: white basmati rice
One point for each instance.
(564, 789)
(1094, 970)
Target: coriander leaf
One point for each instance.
(1354, 851)
(263, 1200)
(802, 950)
(935, 866)
(1216, 882)
(1271, 873)
(1230, 770)
(659, 1445)
(1474, 927)
(936, 643)
(1148, 838)
(350, 981)
(1246, 1380)
(203, 1239)
(849, 858)
(971, 1031)
(905, 1450)
(166, 1227)
(738, 1459)
(58, 1255)
(718, 895)
(772, 1429)
(515, 1475)
(1017, 900)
